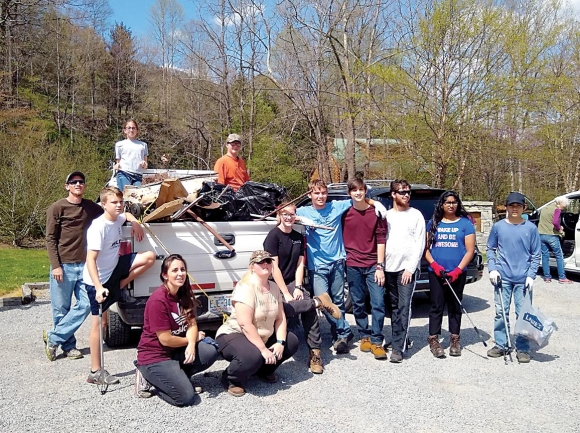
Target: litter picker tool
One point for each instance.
(263, 217)
(102, 384)
(463, 309)
(505, 323)
(316, 226)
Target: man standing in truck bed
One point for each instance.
(231, 169)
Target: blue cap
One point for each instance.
(515, 197)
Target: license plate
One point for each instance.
(220, 303)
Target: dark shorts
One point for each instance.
(120, 272)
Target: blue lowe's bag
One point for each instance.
(533, 324)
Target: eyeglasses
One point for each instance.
(403, 192)
(76, 182)
(450, 203)
(130, 128)
(235, 143)
(288, 215)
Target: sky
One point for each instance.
(135, 14)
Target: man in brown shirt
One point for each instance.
(67, 221)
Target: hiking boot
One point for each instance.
(269, 378)
(435, 346)
(95, 377)
(341, 346)
(143, 389)
(365, 344)
(50, 349)
(325, 303)
(233, 389)
(378, 351)
(523, 357)
(496, 352)
(396, 356)
(74, 353)
(315, 362)
(455, 345)
(566, 281)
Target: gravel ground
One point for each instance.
(356, 393)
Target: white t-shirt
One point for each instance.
(405, 240)
(130, 153)
(105, 237)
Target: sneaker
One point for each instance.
(496, 352)
(95, 377)
(365, 344)
(523, 357)
(50, 349)
(378, 351)
(396, 356)
(74, 353)
(341, 346)
(547, 280)
(269, 378)
(315, 362)
(326, 304)
(566, 281)
(435, 346)
(143, 389)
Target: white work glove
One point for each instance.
(306, 221)
(493, 276)
(529, 283)
(380, 210)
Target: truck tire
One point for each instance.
(118, 332)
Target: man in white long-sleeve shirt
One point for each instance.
(404, 249)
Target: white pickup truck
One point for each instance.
(213, 278)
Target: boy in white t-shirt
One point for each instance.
(105, 273)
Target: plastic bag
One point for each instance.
(533, 324)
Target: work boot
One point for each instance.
(455, 346)
(365, 344)
(324, 302)
(315, 362)
(523, 357)
(496, 352)
(435, 346)
(378, 351)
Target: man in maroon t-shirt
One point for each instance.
(364, 236)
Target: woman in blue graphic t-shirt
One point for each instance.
(450, 247)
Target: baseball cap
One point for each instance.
(73, 174)
(515, 197)
(234, 137)
(259, 256)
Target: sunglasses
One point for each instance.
(261, 262)
(403, 192)
(76, 182)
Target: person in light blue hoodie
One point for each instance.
(513, 254)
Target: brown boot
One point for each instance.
(315, 362)
(435, 346)
(455, 346)
(324, 302)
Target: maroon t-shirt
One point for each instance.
(361, 232)
(161, 314)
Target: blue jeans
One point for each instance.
(330, 279)
(552, 242)
(124, 178)
(360, 282)
(68, 320)
(499, 332)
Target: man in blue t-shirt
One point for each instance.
(513, 253)
(326, 254)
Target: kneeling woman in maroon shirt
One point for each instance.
(169, 351)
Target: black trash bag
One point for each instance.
(257, 198)
(214, 192)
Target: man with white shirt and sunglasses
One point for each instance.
(404, 249)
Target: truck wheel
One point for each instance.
(118, 332)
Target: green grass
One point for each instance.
(21, 265)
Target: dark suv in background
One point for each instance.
(423, 198)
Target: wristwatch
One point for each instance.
(381, 266)
(281, 342)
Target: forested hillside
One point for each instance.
(481, 96)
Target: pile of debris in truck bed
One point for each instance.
(198, 195)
